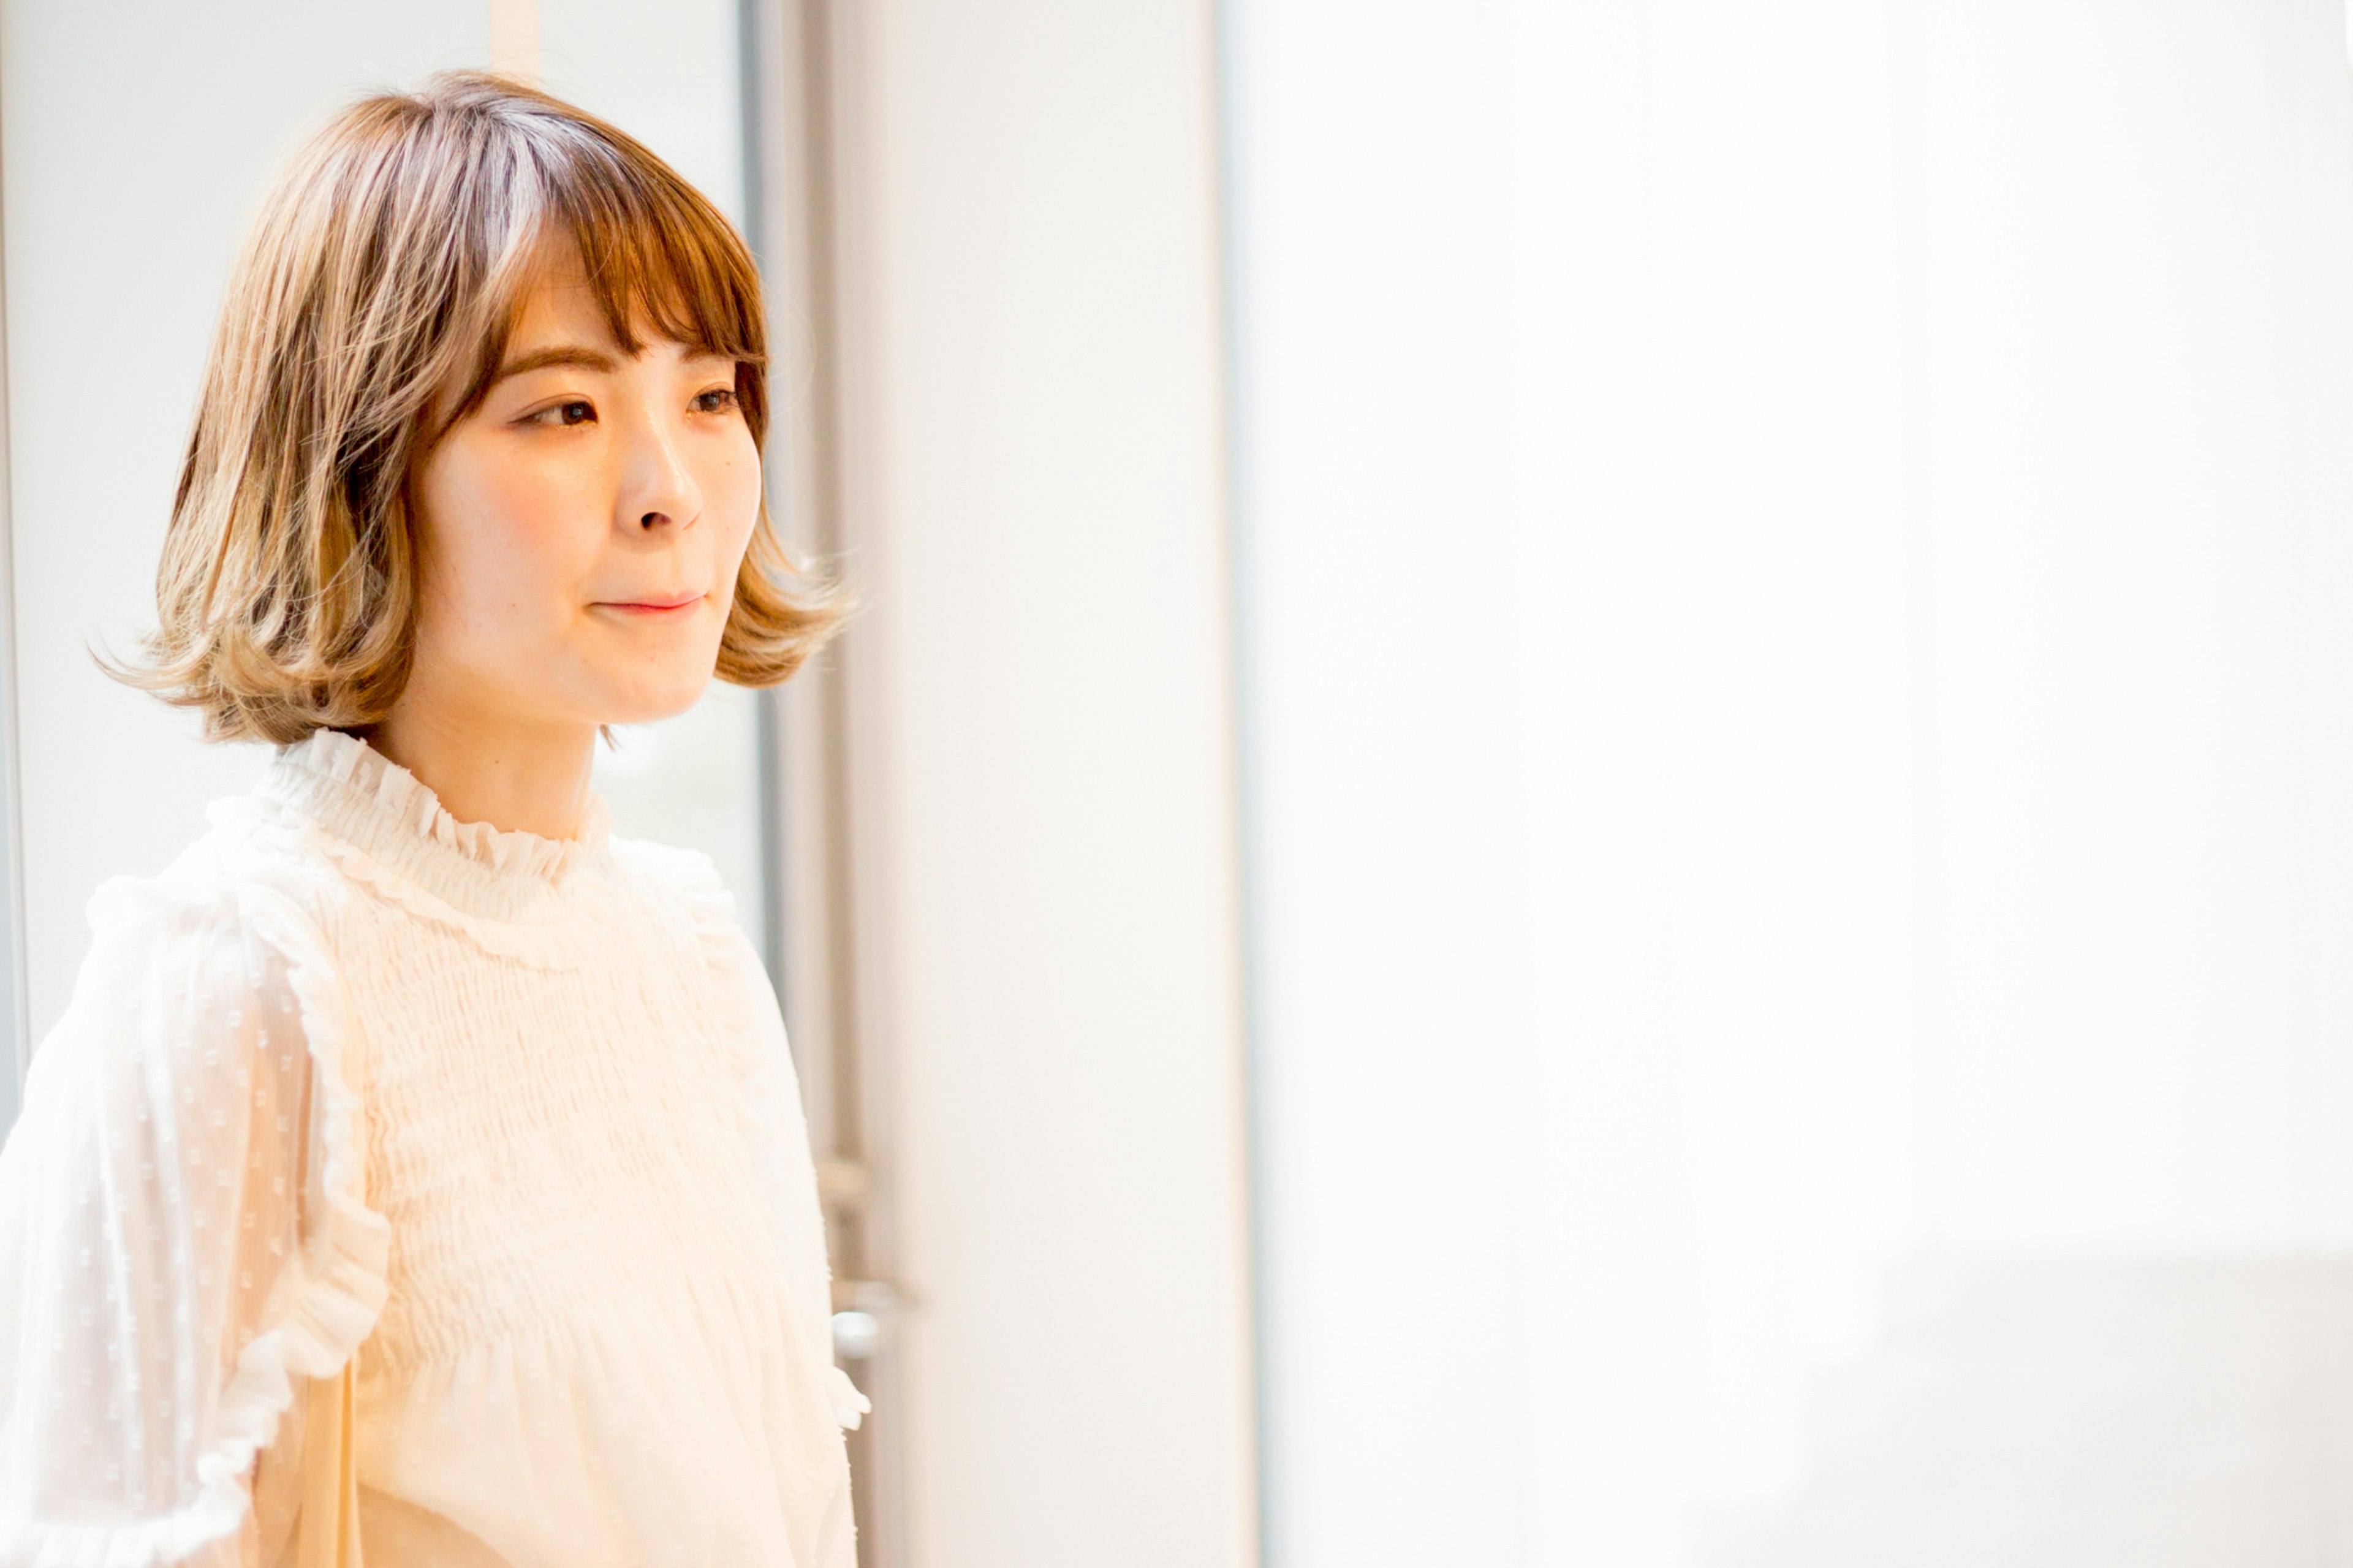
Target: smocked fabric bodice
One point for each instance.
(509, 1118)
(584, 1073)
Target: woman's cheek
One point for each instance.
(744, 499)
(546, 536)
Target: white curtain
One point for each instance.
(1797, 564)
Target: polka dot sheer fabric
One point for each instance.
(164, 1207)
(510, 1119)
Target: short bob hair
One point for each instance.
(370, 310)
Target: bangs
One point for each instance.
(657, 254)
(659, 257)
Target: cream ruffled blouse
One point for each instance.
(511, 1118)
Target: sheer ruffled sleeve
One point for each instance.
(182, 1235)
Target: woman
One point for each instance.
(419, 1170)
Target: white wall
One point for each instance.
(1798, 703)
(667, 74)
(1035, 386)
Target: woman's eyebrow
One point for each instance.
(579, 354)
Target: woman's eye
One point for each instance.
(578, 411)
(718, 400)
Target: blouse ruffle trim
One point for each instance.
(343, 759)
(552, 946)
(481, 879)
(540, 947)
(330, 1311)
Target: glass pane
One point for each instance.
(694, 782)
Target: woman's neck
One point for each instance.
(516, 777)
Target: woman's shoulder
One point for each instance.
(212, 886)
(686, 884)
(235, 912)
(188, 970)
(687, 875)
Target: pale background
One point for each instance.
(1679, 670)
(1797, 569)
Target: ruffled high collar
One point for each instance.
(356, 794)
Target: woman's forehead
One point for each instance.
(560, 304)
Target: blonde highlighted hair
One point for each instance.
(368, 311)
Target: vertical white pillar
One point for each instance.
(15, 1018)
(1037, 394)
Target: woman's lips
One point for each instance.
(666, 607)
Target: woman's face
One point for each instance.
(581, 529)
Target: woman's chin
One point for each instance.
(648, 705)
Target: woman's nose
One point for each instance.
(660, 487)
